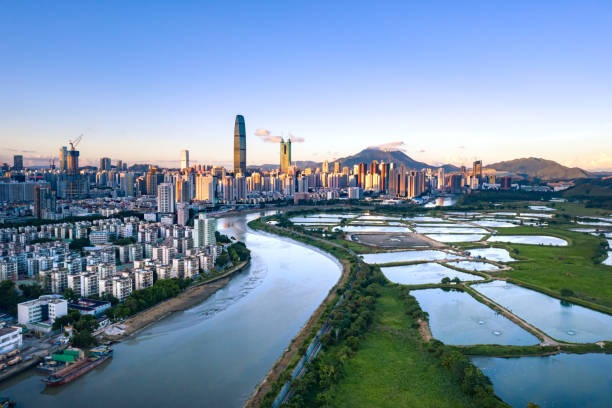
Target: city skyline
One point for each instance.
(442, 81)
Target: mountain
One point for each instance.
(368, 156)
(540, 168)
(389, 156)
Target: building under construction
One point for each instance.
(72, 184)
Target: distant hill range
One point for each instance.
(540, 168)
(597, 192)
(368, 156)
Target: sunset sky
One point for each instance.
(447, 82)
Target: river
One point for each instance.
(213, 354)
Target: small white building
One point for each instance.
(45, 308)
(10, 339)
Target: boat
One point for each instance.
(73, 371)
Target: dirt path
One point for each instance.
(281, 364)
(185, 300)
(424, 330)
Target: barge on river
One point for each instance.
(73, 371)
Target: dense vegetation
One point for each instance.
(124, 241)
(486, 197)
(236, 253)
(221, 238)
(10, 296)
(83, 328)
(393, 366)
(79, 243)
(139, 300)
(596, 193)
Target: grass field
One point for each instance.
(392, 368)
(556, 268)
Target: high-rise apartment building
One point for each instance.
(239, 146)
(204, 231)
(17, 162)
(285, 155)
(325, 167)
(152, 181)
(337, 166)
(206, 185)
(105, 163)
(184, 159)
(44, 201)
(183, 193)
(165, 198)
(126, 183)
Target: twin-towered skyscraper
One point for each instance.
(239, 146)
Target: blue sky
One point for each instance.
(445, 81)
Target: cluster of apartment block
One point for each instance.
(167, 251)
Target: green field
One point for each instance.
(392, 367)
(555, 268)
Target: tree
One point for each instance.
(222, 259)
(445, 280)
(83, 339)
(223, 239)
(79, 244)
(70, 296)
(31, 291)
(567, 292)
(8, 297)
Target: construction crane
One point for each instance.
(75, 142)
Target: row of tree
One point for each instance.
(142, 299)
(348, 324)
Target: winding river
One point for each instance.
(213, 354)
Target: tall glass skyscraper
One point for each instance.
(239, 146)
(285, 155)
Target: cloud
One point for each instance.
(295, 139)
(422, 151)
(262, 132)
(266, 136)
(462, 147)
(19, 150)
(390, 147)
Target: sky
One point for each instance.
(446, 82)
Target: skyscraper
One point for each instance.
(165, 198)
(239, 146)
(184, 159)
(18, 162)
(204, 231)
(206, 185)
(63, 158)
(477, 169)
(285, 155)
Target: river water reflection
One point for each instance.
(213, 354)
